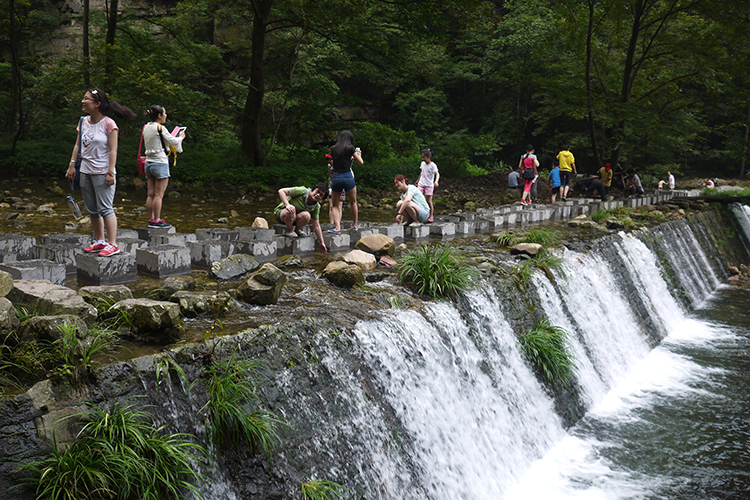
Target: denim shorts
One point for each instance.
(424, 214)
(342, 182)
(157, 170)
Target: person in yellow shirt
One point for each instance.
(606, 174)
(567, 165)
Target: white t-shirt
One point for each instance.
(427, 179)
(154, 150)
(671, 181)
(95, 145)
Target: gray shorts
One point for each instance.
(157, 170)
(97, 196)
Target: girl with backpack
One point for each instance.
(528, 166)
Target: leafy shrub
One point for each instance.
(547, 348)
(541, 236)
(232, 411)
(438, 271)
(119, 454)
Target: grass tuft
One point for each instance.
(435, 270)
(321, 490)
(119, 454)
(547, 348)
(230, 417)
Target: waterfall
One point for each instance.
(742, 214)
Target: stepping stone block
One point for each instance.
(416, 232)
(217, 233)
(61, 253)
(263, 251)
(146, 233)
(36, 269)
(130, 245)
(180, 239)
(357, 234)
(255, 234)
(442, 229)
(163, 261)
(393, 231)
(302, 245)
(15, 247)
(481, 225)
(338, 242)
(115, 270)
(466, 227)
(204, 252)
(81, 240)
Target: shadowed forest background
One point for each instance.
(265, 85)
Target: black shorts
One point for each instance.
(556, 190)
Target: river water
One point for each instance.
(675, 426)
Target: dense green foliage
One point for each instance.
(547, 348)
(119, 454)
(435, 270)
(321, 489)
(264, 85)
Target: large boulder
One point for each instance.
(42, 297)
(377, 244)
(344, 275)
(263, 286)
(193, 304)
(233, 267)
(151, 319)
(6, 283)
(364, 260)
(530, 249)
(103, 297)
(8, 320)
(50, 328)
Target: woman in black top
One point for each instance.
(343, 179)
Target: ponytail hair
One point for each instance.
(107, 107)
(427, 152)
(154, 112)
(401, 177)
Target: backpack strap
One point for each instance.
(161, 138)
(140, 146)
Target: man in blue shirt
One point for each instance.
(513, 179)
(554, 181)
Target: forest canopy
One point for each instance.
(264, 86)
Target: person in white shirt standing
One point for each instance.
(670, 178)
(97, 135)
(428, 180)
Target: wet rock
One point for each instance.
(377, 244)
(194, 304)
(233, 267)
(260, 222)
(470, 206)
(364, 260)
(58, 191)
(11, 216)
(290, 262)
(223, 220)
(585, 223)
(70, 226)
(6, 283)
(733, 271)
(344, 275)
(172, 285)
(8, 319)
(263, 286)
(530, 249)
(234, 214)
(386, 261)
(50, 328)
(614, 223)
(151, 319)
(47, 208)
(139, 183)
(41, 296)
(103, 297)
(173, 195)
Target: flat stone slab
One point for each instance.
(440, 229)
(14, 247)
(146, 233)
(337, 242)
(416, 232)
(394, 231)
(61, 253)
(131, 245)
(82, 240)
(254, 234)
(43, 297)
(163, 261)
(36, 269)
(114, 270)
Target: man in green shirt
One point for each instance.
(298, 206)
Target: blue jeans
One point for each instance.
(342, 182)
(156, 170)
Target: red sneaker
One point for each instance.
(109, 251)
(96, 247)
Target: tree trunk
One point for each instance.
(250, 125)
(111, 22)
(589, 95)
(86, 55)
(744, 144)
